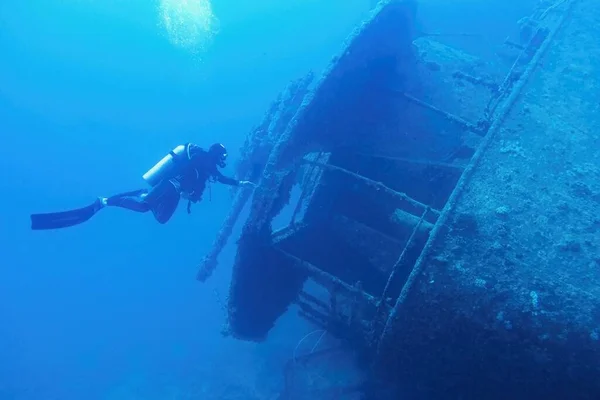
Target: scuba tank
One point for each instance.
(169, 166)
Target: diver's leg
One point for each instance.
(134, 201)
(133, 193)
(163, 200)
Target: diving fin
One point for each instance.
(64, 219)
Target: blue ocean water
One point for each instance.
(92, 94)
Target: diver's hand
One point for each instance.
(247, 184)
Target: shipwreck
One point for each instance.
(443, 203)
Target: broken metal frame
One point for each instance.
(401, 259)
(329, 313)
(478, 129)
(484, 131)
(343, 317)
(272, 126)
(326, 279)
(512, 76)
(465, 179)
(209, 262)
(309, 180)
(332, 283)
(499, 90)
(423, 162)
(377, 186)
(315, 310)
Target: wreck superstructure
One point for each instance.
(446, 208)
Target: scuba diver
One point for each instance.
(183, 173)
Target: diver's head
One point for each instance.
(218, 153)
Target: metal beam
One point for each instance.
(376, 185)
(326, 279)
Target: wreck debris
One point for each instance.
(253, 157)
(448, 234)
(375, 185)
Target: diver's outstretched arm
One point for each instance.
(227, 180)
(233, 182)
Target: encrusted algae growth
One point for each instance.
(325, 120)
(441, 79)
(259, 143)
(507, 304)
(253, 157)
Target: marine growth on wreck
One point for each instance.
(446, 226)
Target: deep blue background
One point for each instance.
(92, 93)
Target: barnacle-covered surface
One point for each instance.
(259, 143)
(264, 281)
(505, 302)
(443, 222)
(253, 158)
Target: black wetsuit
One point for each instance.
(163, 198)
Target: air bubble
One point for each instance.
(189, 24)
